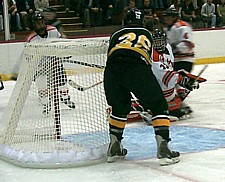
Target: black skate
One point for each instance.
(181, 113)
(164, 154)
(115, 150)
(68, 102)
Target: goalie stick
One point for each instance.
(81, 88)
(199, 74)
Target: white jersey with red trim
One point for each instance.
(180, 37)
(52, 32)
(162, 67)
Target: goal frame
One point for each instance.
(57, 158)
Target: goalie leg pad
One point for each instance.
(175, 103)
(179, 109)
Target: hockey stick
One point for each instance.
(1, 83)
(81, 88)
(85, 64)
(69, 60)
(199, 74)
(88, 64)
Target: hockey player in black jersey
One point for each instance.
(128, 69)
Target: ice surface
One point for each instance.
(201, 140)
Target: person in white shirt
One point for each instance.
(221, 12)
(40, 5)
(208, 13)
(180, 37)
(42, 76)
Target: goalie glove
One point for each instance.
(188, 80)
(182, 93)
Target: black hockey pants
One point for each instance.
(124, 76)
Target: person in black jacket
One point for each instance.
(22, 9)
(91, 13)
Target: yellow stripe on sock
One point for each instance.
(118, 124)
(161, 122)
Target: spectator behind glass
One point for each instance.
(51, 19)
(117, 15)
(221, 13)
(138, 3)
(177, 6)
(188, 12)
(22, 9)
(74, 5)
(149, 12)
(30, 12)
(1, 15)
(158, 4)
(131, 4)
(208, 13)
(14, 17)
(107, 11)
(92, 13)
(40, 5)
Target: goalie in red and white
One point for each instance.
(45, 72)
(162, 67)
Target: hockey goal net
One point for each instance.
(56, 116)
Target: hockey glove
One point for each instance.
(182, 93)
(188, 80)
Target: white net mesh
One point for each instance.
(41, 127)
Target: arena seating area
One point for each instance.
(74, 26)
